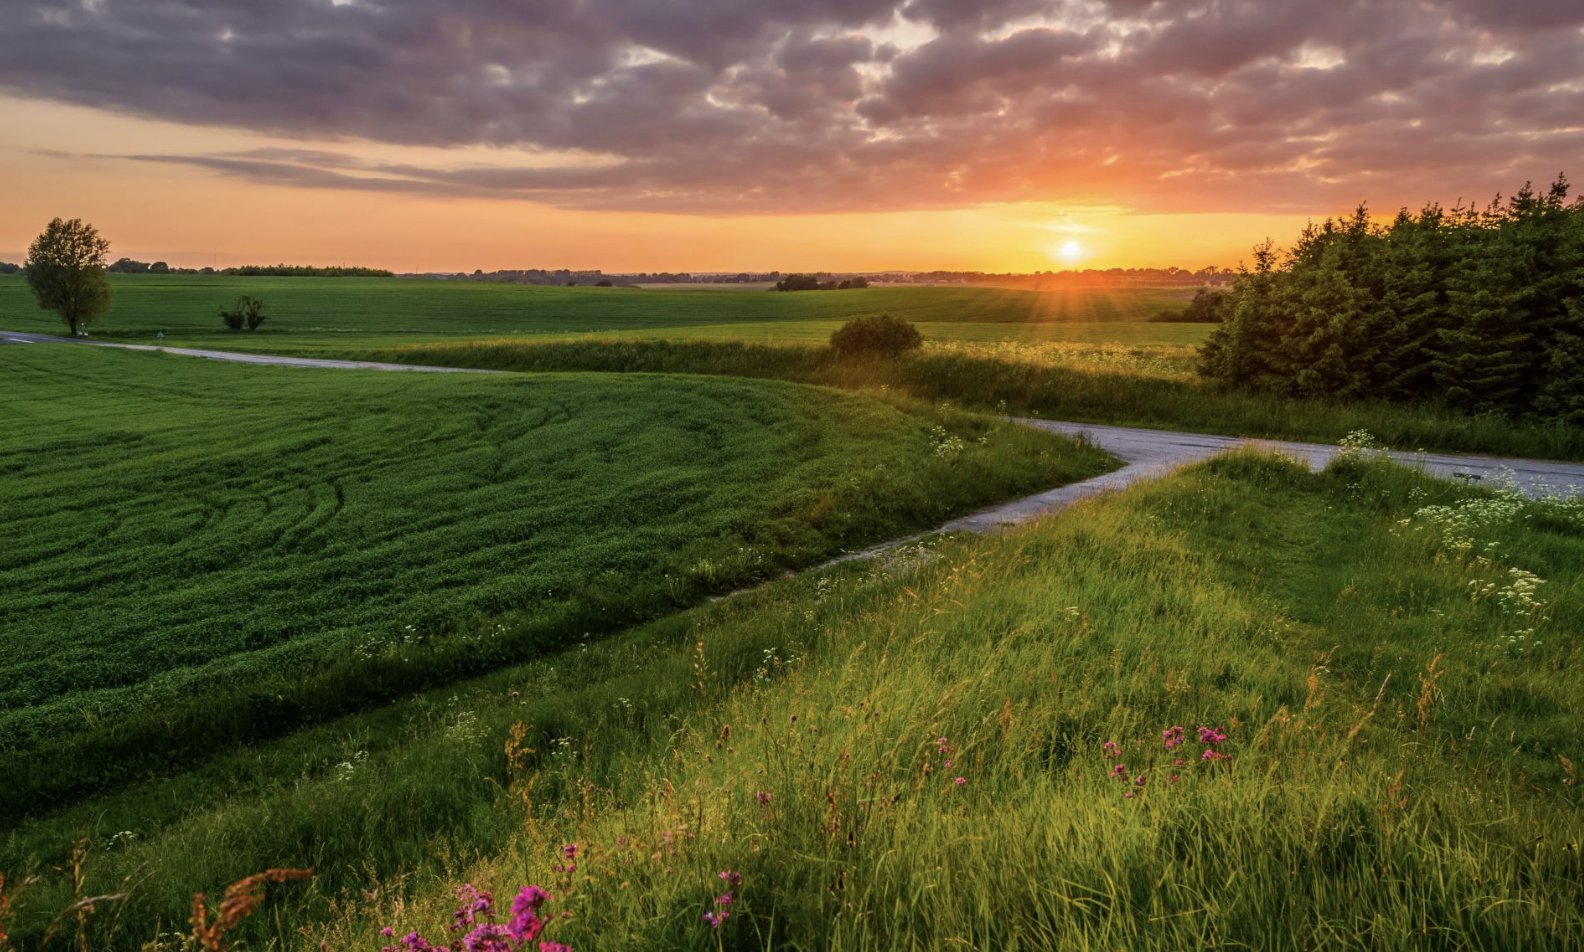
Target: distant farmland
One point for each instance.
(315, 314)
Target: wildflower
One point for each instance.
(554, 947)
(731, 877)
(723, 900)
(1211, 755)
(1138, 781)
(1119, 771)
(715, 919)
(529, 899)
(960, 781)
(1128, 795)
(488, 937)
(762, 798)
(1211, 736)
(1110, 748)
(570, 851)
(1172, 736)
(941, 743)
(387, 932)
(473, 904)
(525, 924)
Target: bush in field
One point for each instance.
(1209, 306)
(248, 312)
(876, 336)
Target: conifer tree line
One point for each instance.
(1476, 308)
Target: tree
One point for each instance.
(1481, 309)
(65, 268)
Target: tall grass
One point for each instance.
(924, 762)
(1396, 772)
(1082, 385)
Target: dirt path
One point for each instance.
(1147, 453)
(268, 360)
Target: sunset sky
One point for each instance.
(755, 135)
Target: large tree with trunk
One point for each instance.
(65, 267)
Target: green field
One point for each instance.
(308, 314)
(419, 630)
(179, 529)
(1399, 763)
(1085, 355)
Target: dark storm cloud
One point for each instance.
(763, 105)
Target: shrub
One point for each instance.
(876, 336)
(248, 312)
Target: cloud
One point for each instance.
(752, 106)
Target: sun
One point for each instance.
(1068, 252)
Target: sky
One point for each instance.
(726, 135)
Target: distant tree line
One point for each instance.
(812, 282)
(130, 266)
(1085, 278)
(306, 271)
(133, 266)
(1477, 308)
(596, 278)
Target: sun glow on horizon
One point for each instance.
(1069, 252)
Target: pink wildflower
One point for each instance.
(474, 903)
(1211, 736)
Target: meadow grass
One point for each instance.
(203, 554)
(309, 314)
(1078, 382)
(1396, 769)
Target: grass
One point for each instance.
(200, 555)
(312, 314)
(1398, 774)
(1086, 383)
(1085, 356)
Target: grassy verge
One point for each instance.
(1117, 387)
(201, 555)
(1397, 768)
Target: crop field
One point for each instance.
(308, 314)
(1152, 386)
(179, 529)
(998, 723)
